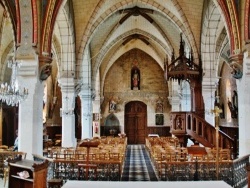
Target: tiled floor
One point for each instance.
(138, 166)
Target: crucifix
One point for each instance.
(217, 112)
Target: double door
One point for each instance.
(136, 122)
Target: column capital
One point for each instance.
(28, 67)
(85, 96)
(66, 112)
(210, 84)
(68, 96)
(67, 84)
(85, 91)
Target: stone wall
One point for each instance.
(153, 87)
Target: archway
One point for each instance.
(111, 126)
(135, 122)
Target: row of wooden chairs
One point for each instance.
(81, 154)
(108, 148)
(159, 146)
(165, 152)
(101, 157)
(166, 155)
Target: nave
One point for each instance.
(137, 166)
(139, 171)
(111, 159)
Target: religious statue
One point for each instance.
(222, 115)
(135, 80)
(233, 111)
(112, 105)
(235, 100)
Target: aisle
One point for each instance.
(138, 166)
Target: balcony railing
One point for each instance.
(192, 125)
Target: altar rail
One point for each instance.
(105, 170)
(232, 172)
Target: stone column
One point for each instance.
(30, 119)
(86, 110)
(243, 88)
(86, 96)
(67, 112)
(96, 109)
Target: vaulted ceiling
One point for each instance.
(104, 30)
(115, 27)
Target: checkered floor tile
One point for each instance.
(138, 166)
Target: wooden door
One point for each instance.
(136, 122)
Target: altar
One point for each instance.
(149, 184)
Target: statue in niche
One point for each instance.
(235, 100)
(112, 104)
(135, 79)
(232, 109)
(222, 115)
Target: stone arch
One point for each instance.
(66, 59)
(229, 14)
(111, 125)
(212, 20)
(112, 59)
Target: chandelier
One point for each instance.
(12, 94)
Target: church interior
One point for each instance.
(88, 86)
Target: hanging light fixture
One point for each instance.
(12, 94)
